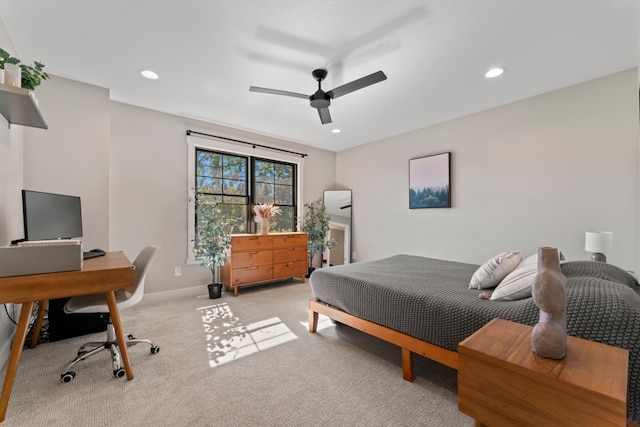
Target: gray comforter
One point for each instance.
(429, 299)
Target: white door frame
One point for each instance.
(347, 241)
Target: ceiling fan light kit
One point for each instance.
(320, 100)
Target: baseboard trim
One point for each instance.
(164, 296)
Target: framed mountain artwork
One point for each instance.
(429, 179)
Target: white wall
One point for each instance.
(11, 167)
(72, 155)
(11, 161)
(148, 187)
(537, 172)
(10, 216)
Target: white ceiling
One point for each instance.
(434, 53)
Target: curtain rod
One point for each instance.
(254, 145)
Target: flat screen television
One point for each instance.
(50, 216)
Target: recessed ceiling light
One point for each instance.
(494, 72)
(149, 74)
(336, 130)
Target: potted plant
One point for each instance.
(316, 225)
(6, 58)
(31, 75)
(212, 241)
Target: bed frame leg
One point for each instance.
(313, 321)
(407, 364)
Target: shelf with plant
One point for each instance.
(32, 75)
(18, 105)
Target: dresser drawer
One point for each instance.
(298, 253)
(243, 243)
(252, 274)
(251, 258)
(287, 240)
(290, 269)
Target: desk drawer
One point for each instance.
(252, 274)
(290, 254)
(287, 240)
(290, 269)
(251, 258)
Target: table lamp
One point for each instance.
(599, 243)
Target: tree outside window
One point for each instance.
(227, 179)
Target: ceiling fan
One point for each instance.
(321, 100)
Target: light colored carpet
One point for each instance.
(243, 361)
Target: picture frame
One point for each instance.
(429, 181)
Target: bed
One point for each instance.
(425, 306)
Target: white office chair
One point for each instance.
(96, 303)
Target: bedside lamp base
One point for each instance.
(599, 257)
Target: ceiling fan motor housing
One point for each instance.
(320, 99)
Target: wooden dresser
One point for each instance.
(262, 258)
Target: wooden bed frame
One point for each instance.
(408, 344)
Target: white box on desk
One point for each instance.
(23, 260)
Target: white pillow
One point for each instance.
(517, 284)
(494, 270)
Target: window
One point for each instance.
(223, 178)
(236, 178)
(274, 182)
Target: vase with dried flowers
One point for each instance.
(264, 212)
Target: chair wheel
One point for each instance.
(155, 349)
(67, 377)
(131, 337)
(119, 373)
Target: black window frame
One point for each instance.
(251, 192)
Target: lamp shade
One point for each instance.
(598, 241)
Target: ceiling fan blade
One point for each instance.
(357, 84)
(277, 92)
(325, 116)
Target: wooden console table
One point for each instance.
(501, 382)
(101, 274)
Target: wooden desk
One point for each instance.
(501, 382)
(101, 274)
